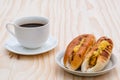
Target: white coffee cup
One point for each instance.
(28, 32)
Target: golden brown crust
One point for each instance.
(73, 60)
(101, 60)
(107, 52)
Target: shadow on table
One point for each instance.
(19, 56)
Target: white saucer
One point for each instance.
(13, 46)
(112, 63)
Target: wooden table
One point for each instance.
(68, 19)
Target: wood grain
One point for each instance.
(68, 18)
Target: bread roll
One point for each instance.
(76, 51)
(98, 57)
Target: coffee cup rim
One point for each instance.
(15, 21)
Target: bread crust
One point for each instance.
(102, 58)
(73, 59)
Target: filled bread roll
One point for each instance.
(76, 51)
(99, 55)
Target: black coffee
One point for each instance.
(32, 25)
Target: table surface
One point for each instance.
(68, 19)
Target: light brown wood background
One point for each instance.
(68, 18)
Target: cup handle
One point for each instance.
(8, 29)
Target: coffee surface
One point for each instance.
(29, 25)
